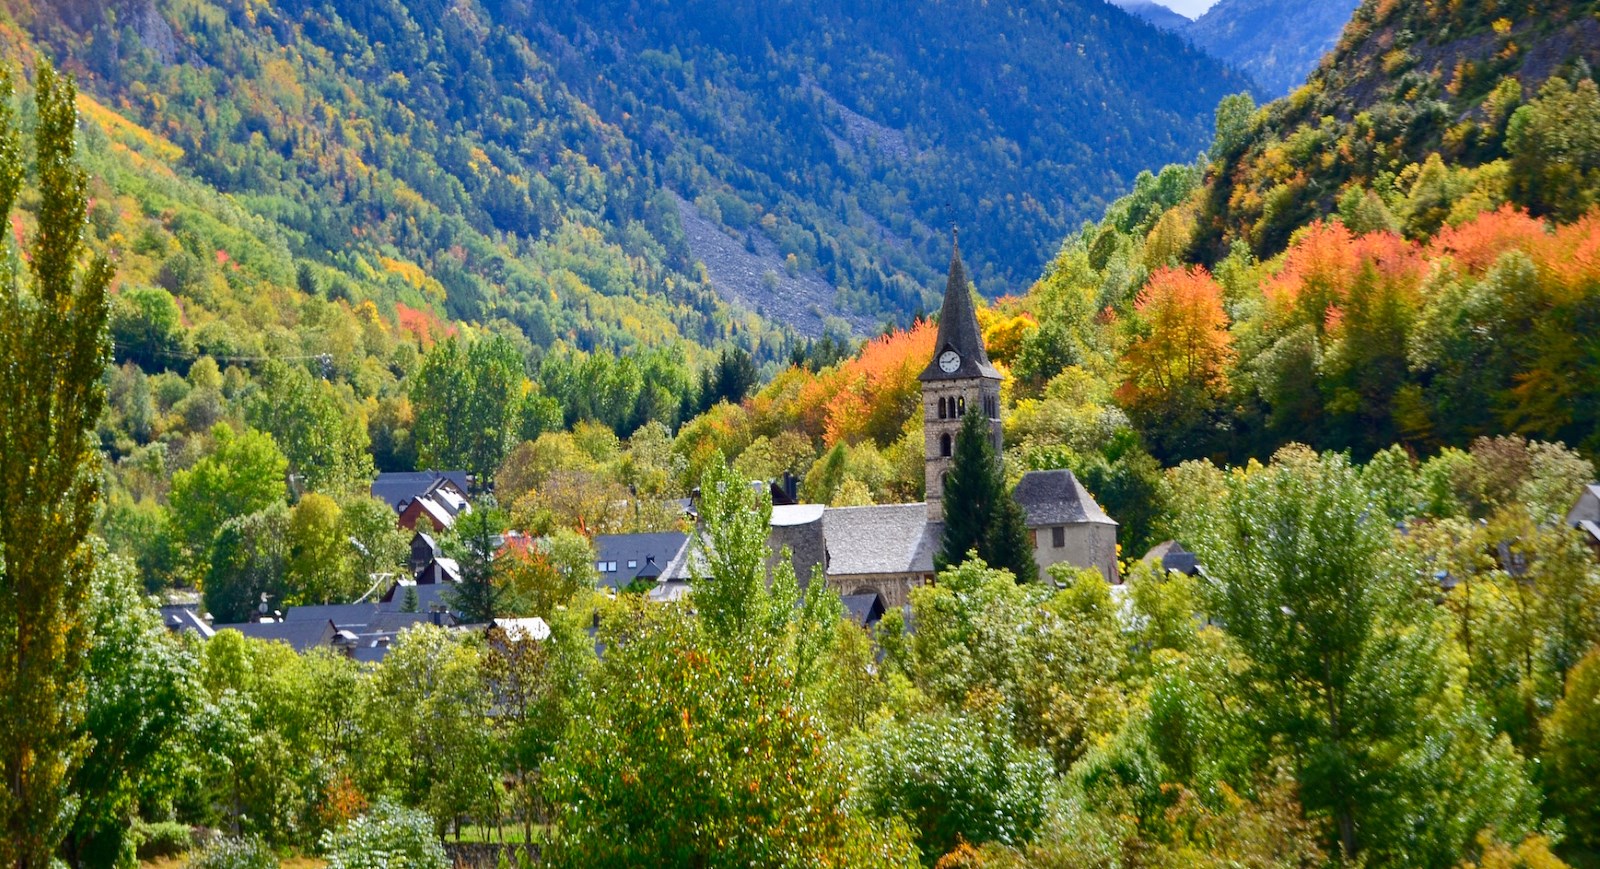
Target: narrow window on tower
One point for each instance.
(944, 445)
(961, 406)
(941, 408)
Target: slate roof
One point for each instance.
(301, 636)
(1057, 498)
(1591, 529)
(665, 547)
(1173, 557)
(179, 618)
(893, 538)
(344, 615)
(433, 593)
(397, 487)
(958, 330)
(865, 609)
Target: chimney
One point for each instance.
(791, 485)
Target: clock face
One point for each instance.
(949, 361)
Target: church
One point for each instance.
(888, 550)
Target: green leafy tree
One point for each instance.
(1554, 142)
(467, 403)
(378, 546)
(1572, 752)
(142, 685)
(388, 837)
(754, 778)
(318, 549)
(428, 703)
(243, 475)
(979, 512)
(250, 558)
(1348, 666)
(955, 778)
(53, 326)
(325, 441)
(147, 329)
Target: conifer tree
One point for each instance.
(53, 329)
(979, 512)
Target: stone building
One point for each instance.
(888, 550)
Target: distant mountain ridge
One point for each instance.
(1277, 43)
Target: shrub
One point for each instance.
(234, 854)
(162, 839)
(388, 837)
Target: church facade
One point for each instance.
(889, 549)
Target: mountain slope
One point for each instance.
(1406, 81)
(556, 133)
(1277, 42)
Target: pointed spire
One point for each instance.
(958, 326)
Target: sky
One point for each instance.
(1191, 8)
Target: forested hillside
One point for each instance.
(493, 144)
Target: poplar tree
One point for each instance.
(979, 512)
(53, 314)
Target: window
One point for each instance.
(1058, 536)
(944, 445)
(961, 406)
(632, 564)
(942, 413)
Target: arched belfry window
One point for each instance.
(961, 406)
(942, 408)
(944, 445)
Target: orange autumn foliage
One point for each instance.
(872, 395)
(1475, 245)
(1183, 345)
(423, 324)
(1327, 264)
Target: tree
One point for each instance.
(318, 550)
(430, 704)
(956, 778)
(53, 326)
(466, 404)
(379, 546)
(1347, 664)
(755, 780)
(547, 578)
(1177, 358)
(147, 329)
(980, 513)
(480, 596)
(142, 685)
(243, 475)
(1554, 143)
(1572, 752)
(325, 442)
(249, 558)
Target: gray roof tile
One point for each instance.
(893, 538)
(1057, 498)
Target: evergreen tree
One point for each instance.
(53, 329)
(478, 599)
(979, 512)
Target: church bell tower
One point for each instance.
(958, 380)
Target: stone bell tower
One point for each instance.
(958, 380)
